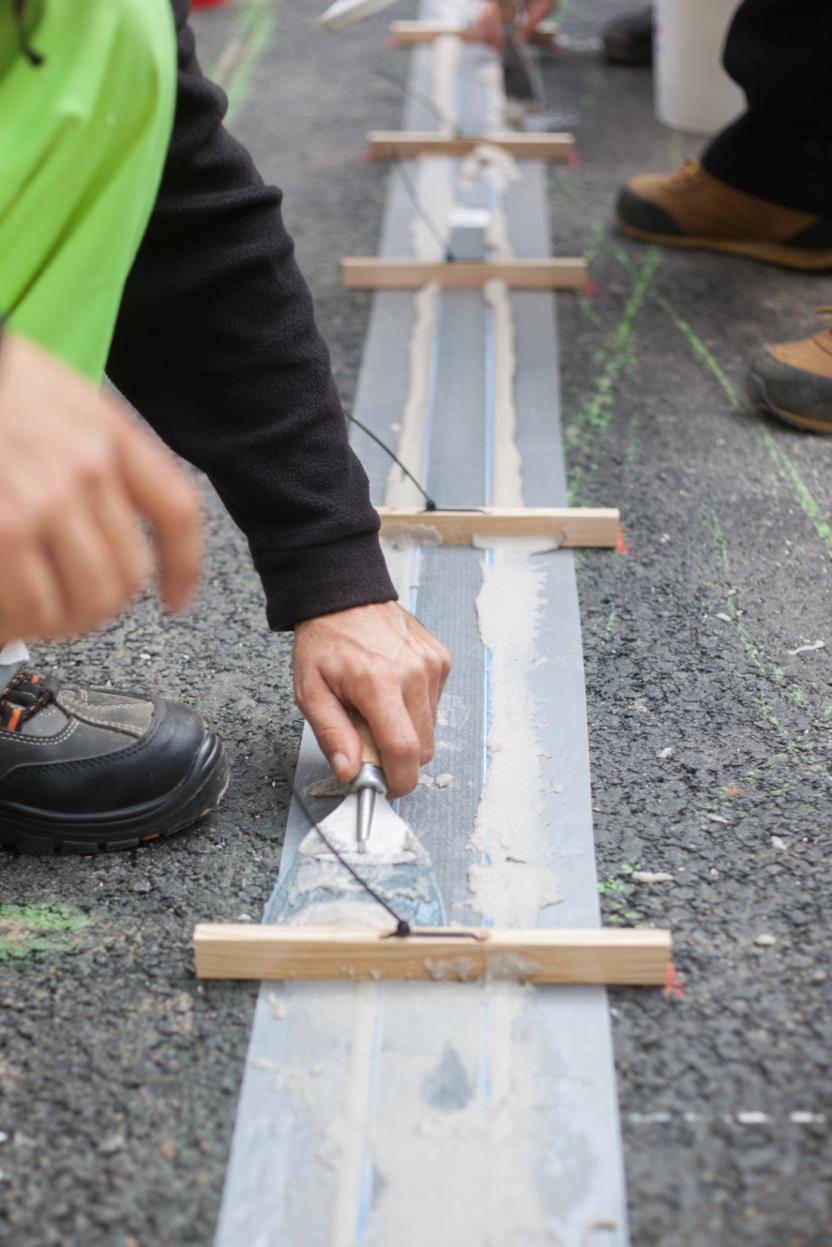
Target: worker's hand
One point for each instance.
(380, 661)
(488, 25)
(536, 12)
(77, 475)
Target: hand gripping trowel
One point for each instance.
(377, 863)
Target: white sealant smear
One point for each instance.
(507, 472)
(514, 880)
(353, 1119)
(435, 182)
(468, 1174)
(498, 169)
(401, 492)
(490, 77)
(420, 1196)
(446, 54)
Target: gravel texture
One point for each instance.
(709, 738)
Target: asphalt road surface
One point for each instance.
(710, 735)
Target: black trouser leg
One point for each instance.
(780, 149)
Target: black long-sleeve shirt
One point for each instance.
(216, 346)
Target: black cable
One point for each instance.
(413, 195)
(430, 505)
(402, 925)
(419, 97)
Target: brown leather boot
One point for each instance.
(690, 208)
(793, 380)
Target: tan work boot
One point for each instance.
(690, 208)
(793, 380)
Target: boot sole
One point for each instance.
(802, 258)
(200, 792)
(757, 390)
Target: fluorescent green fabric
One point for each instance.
(83, 139)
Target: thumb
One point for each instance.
(334, 731)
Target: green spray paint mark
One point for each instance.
(771, 671)
(28, 929)
(674, 147)
(808, 503)
(594, 418)
(617, 891)
(631, 448)
(593, 78)
(234, 67)
(700, 350)
(806, 500)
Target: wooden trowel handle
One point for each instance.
(508, 11)
(369, 749)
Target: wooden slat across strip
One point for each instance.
(540, 955)
(573, 527)
(381, 273)
(407, 144)
(409, 34)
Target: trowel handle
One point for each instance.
(369, 749)
(508, 11)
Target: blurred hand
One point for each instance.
(380, 661)
(536, 12)
(488, 25)
(77, 475)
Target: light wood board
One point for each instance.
(411, 34)
(406, 145)
(241, 951)
(569, 527)
(381, 273)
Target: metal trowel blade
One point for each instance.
(317, 890)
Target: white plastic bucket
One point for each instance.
(692, 91)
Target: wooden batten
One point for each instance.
(407, 144)
(381, 273)
(569, 527)
(408, 34)
(613, 957)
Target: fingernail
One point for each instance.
(339, 763)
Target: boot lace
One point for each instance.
(26, 694)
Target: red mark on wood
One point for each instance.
(673, 988)
(621, 543)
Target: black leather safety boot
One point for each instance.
(89, 769)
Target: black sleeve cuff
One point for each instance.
(319, 580)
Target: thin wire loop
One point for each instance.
(419, 97)
(430, 504)
(402, 925)
(413, 195)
